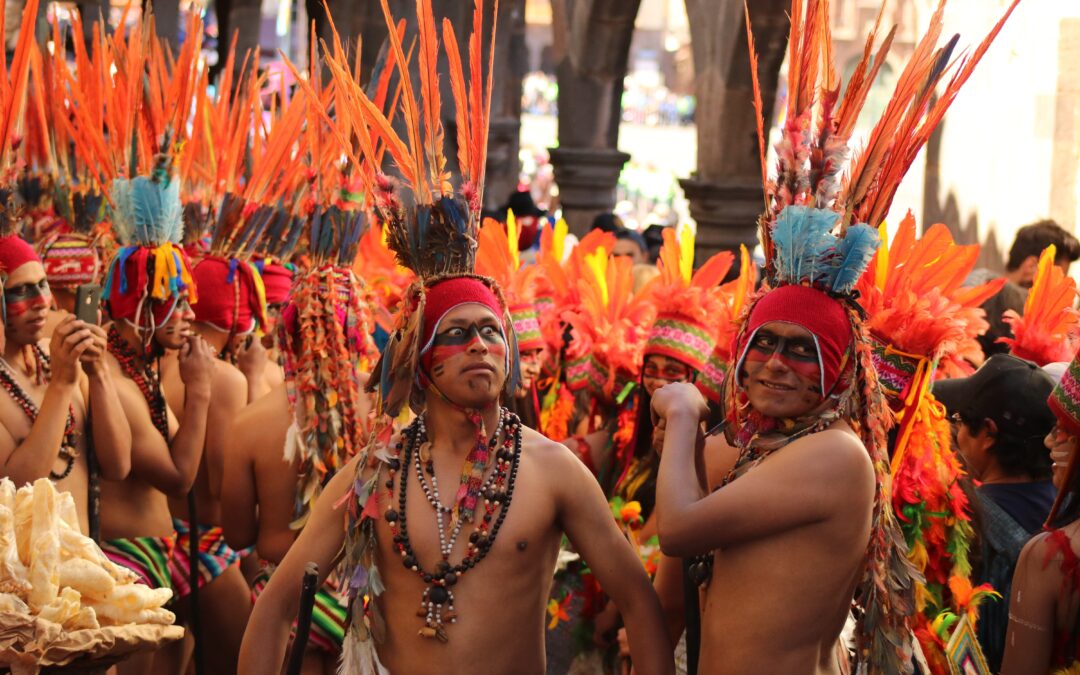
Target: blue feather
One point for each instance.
(855, 252)
(803, 239)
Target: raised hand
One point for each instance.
(70, 341)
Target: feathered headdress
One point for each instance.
(921, 316)
(690, 304)
(819, 232)
(1047, 332)
(735, 294)
(430, 224)
(497, 257)
(609, 325)
(325, 339)
(13, 93)
(376, 264)
(150, 271)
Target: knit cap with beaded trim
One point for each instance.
(1064, 400)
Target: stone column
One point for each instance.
(504, 128)
(587, 178)
(590, 75)
(725, 193)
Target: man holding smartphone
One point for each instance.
(49, 385)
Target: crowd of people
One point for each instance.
(854, 454)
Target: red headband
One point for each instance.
(446, 295)
(14, 253)
(815, 311)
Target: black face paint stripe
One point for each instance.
(472, 331)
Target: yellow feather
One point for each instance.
(686, 255)
(597, 261)
(558, 240)
(881, 274)
(512, 238)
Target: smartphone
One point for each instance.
(87, 303)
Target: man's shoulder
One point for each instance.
(540, 446)
(228, 375)
(836, 449)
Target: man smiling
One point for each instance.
(784, 523)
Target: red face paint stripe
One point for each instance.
(805, 369)
(16, 309)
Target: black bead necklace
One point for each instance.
(68, 453)
(437, 602)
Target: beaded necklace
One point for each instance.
(144, 377)
(437, 602)
(68, 453)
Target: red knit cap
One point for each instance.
(14, 253)
(813, 310)
(277, 280)
(229, 297)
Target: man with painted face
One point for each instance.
(148, 293)
(44, 413)
(507, 496)
(796, 522)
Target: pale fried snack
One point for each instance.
(90, 580)
(59, 579)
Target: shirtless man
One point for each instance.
(46, 390)
(260, 505)
(490, 620)
(151, 315)
(794, 516)
(223, 314)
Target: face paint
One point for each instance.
(459, 339)
(25, 297)
(797, 354)
(669, 373)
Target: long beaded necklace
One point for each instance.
(144, 377)
(68, 453)
(437, 602)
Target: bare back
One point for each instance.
(260, 432)
(778, 603)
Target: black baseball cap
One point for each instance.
(1006, 389)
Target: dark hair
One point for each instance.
(632, 235)
(607, 222)
(1016, 455)
(1032, 239)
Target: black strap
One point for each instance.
(692, 610)
(93, 490)
(193, 580)
(303, 619)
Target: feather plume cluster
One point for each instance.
(914, 296)
(1047, 332)
(816, 166)
(431, 224)
(497, 256)
(808, 251)
(610, 322)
